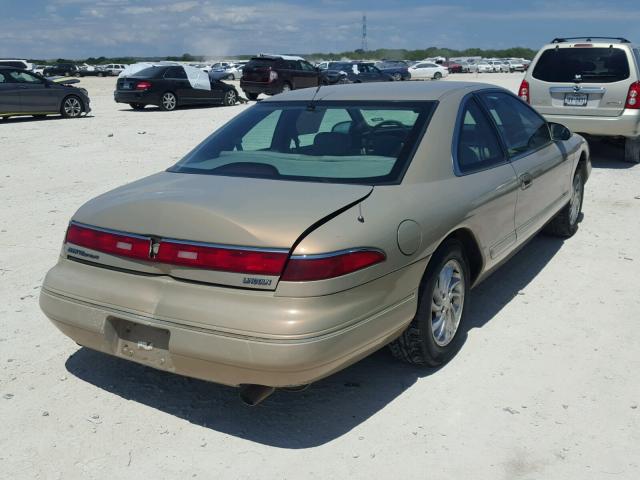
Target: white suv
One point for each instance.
(591, 85)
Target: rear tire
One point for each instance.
(72, 107)
(231, 76)
(433, 336)
(168, 101)
(632, 150)
(230, 98)
(565, 223)
(397, 77)
(286, 87)
(437, 76)
(251, 96)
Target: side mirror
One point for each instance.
(559, 132)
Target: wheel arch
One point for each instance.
(69, 95)
(471, 250)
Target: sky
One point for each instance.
(81, 28)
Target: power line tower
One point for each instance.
(364, 33)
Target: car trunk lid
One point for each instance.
(184, 212)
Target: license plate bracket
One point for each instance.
(143, 343)
(576, 100)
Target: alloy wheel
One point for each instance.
(72, 107)
(230, 97)
(447, 303)
(168, 101)
(576, 199)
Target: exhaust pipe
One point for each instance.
(252, 394)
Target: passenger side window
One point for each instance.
(478, 145)
(307, 66)
(522, 129)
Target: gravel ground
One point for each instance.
(546, 385)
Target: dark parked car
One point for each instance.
(353, 72)
(168, 87)
(65, 69)
(272, 74)
(453, 67)
(25, 93)
(397, 69)
(90, 71)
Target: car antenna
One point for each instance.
(311, 107)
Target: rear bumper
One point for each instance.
(271, 88)
(625, 125)
(148, 98)
(90, 305)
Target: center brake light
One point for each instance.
(303, 268)
(144, 85)
(523, 91)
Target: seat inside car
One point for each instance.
(332, 143)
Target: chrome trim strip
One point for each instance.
(108, 230)
(580, 89)
(318, 256)
(223, 246)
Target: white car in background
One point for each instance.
(481, 67)
(114, 69)
(428, 71)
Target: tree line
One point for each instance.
(359, 54)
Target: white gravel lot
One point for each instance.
(545, 387)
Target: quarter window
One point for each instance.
(478, 145)
(522, 129)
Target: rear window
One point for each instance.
(586, 65)
(339, 142)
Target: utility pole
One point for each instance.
(364, 33)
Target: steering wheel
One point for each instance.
(387, 124)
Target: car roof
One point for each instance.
(595, 42)
(385, 91)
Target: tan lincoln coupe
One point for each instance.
(314, 228)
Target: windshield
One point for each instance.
(587, 65)
(338, 142)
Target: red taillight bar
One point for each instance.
(102, 240)
(633, 97)
(305, 268)
(258, 262)
(144, 85)
(523, 91)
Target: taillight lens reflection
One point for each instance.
(523, 92)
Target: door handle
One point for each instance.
(525, 181)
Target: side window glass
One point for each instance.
(175, 72)
(522, 129)
(478, 145)
(24, 77)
